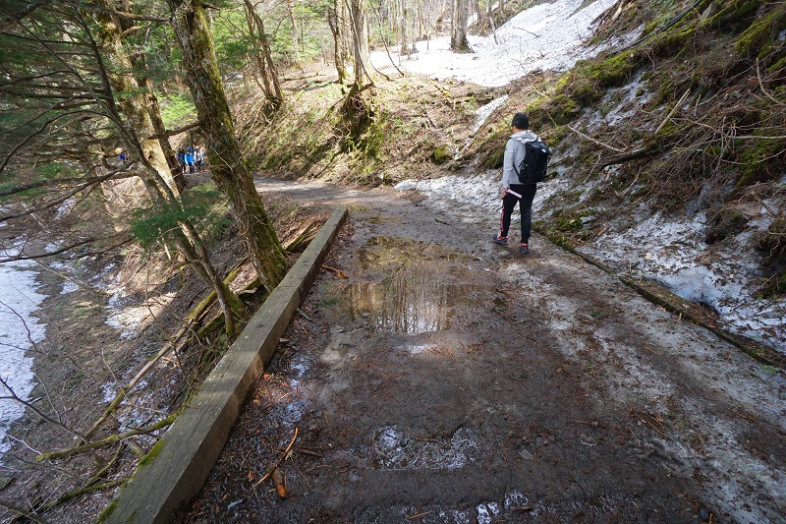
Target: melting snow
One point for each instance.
(545, 37)
(485, 112)
(132, 320)
(69, 287)
(18, 303)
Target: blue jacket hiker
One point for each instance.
(513, 191)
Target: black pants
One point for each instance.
(525, 207)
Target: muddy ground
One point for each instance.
(437, 377)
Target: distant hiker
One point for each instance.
(199, 158)
(181, 159)
(517, 181)
(190, 160)
(122, 158)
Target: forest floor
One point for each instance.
(433, 376)
(106, 316)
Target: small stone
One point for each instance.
(704, 514)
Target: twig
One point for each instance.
(419, 515)
(673, 110)
(594, 141)
(338, 272)
(280, 460)
(761, 85)
(309, 452)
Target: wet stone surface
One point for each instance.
(449, 380)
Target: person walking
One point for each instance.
(190, 160)
(199, 158)
(181, 159)
(513, 191)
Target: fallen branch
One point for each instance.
(338, 272)
(594, 141)
(90, 485)
(112, 439)
(22, 513)
(625, 157)
(280, 460)
(303, 238)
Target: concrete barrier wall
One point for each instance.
(181, 461)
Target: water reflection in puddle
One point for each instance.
(417, 294)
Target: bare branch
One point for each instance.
(57, 201)
(11, 395)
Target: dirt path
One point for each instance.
(448, 379)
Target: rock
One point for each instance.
(406, 185)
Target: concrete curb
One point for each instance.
(181, 461)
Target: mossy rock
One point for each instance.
(615, 70)
(758, 38)
(760, 160)
(673, 43)
(562, 109)
(733, 15)
(441, 155)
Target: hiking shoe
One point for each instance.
(499, 239)
(523, 249)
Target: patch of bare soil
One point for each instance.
(106, 316)
(447, 379)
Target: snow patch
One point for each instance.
(485, 112)
(548, 36)
(18, 303)
(69, 286)
(131, 320)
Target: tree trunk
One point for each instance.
(263, 57)
(132, 102)
(460, 20)
(228, 169)
(403, 37)
(293, 21)
(359, 23)
(157, 179)
(158, 124)
(339, 51)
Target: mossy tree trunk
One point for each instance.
(160, 185)
(228, 169)
(131, 100)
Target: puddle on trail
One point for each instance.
(414, 288)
